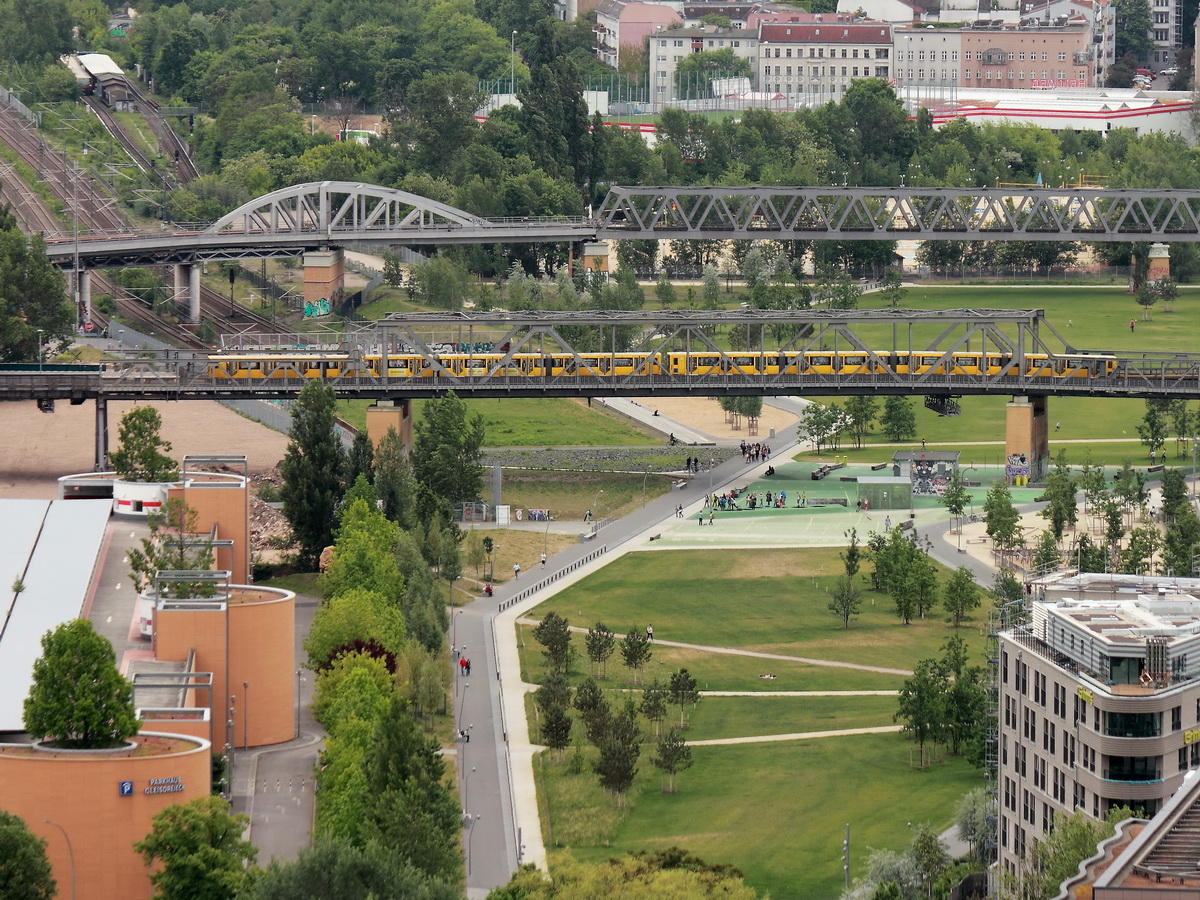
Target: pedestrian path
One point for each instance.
(795, 736)
(648, 416)
(756, 654)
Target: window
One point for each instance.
(662, 43)
(1045, 56)
(789, 72)
(737, 43)
(1183, 758)
(920, 74)
(788, 54)
(777, 53)
(843, 71)
(881, 53)
(953, 56)
(1062, 56)
(1048, 737)
(855, 70)
(921, 56)
(1021, 56)
(777, 72)
(1010, 56)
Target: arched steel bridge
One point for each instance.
(327, 214)
(500, 355)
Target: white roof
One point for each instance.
(99, 64)
(60, 546)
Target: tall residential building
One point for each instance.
(669, 48)
(1099, 702)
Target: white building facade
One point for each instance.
(814, 63)
(670, 47)
(1099, 704)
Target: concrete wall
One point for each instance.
(83, 793)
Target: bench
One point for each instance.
(978, 540)
(879, 466)
(1157, 468)
(905, 525)
(680, 485)
(829, 501)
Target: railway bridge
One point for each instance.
(939, 354)
(318, 220)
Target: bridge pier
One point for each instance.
(85, 295)
(187, 282)
(1160, 262)
(101, 434)
(324, 275)
(1027, 439)
(385, 414)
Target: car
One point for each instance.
(1169, 73)
(1147, 73)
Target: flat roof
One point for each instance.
(57, 569)
(99, 64)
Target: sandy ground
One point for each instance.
(705, 415)
(40, 447)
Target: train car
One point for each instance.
(254, 367)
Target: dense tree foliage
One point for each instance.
(24, 869)
(142, 455)
(195, 851)
(312, 472)
(79, 699)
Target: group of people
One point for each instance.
(754, 452)
(692, 464)
(769, 500)
(464, 666)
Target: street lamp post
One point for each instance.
(297, 703)
(70, 852)
(595, 500)
(466, 687)
(470, 835)
(39, 334)
(454, 630)
(512, 65)
(467, 788)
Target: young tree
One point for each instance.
(1003, 520)
(78, 699)
(1174, 494)
(195, 850)
(554, 634)
(976, 821)
(394, 482)
(1007, 588)
(1062, 510)
(601, 644)
(922, 703)
(845, 600)
(929, 855)
(956, 497)
(593, 710)
(364, 555)
(682, 688)
(1138, 555)
(710, 290)
(961, 595)
(673, 756)
(664, 290)
(1153, 428)
(352, 616)
(654, 705)
(635, 653)
(861, 411)
(1180, 547)
(852, 555)
(312, 472)
(24, 869)
(445, 452)
(898, 421)
(142, 455)
(620, 748)
(172, 546)
(892, 287)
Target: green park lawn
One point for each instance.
(569, 494)
(777, 811)
(768, 600)
(543, 422)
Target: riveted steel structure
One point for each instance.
(920, 213)
(321, 215)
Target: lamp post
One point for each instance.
(70, 852)
(512, 65)
(596, 500)
(466, 687)
(454, 630)
(297, 703)
(39, 334)
(467, 788)
(471, 834)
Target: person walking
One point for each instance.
(543, 560)
(516, 570)
(1131, 324)
(650, 633)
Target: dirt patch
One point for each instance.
(41, 447)
(774, 563)
(705, 414)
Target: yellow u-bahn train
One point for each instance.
(301, 364)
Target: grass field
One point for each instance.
(545, 422)
(776, 811)
(569, 494)
(769, 600)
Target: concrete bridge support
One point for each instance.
(101, 434)
(1160, 262)
(1027, 440)
(187, 283)
(324, 275)
(387, 414)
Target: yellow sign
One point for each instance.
(1190, 737)
(1084, 694)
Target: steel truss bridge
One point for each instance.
(283, 362)
(330, 214)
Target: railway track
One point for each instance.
(172, 143)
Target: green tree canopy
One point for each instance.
(312, 472)
(142, 455)
(24, 869)
(445, 453)
(172, 546)
(195, 851)
(79, 699)
(337, 868)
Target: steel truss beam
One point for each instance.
(860, 213)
